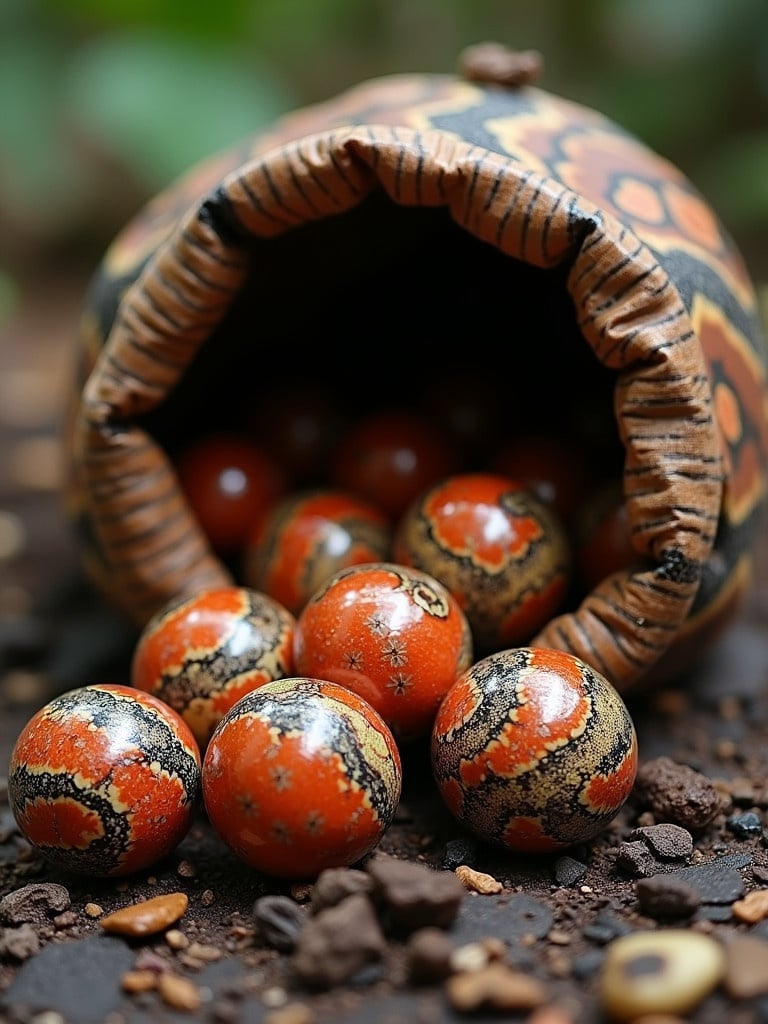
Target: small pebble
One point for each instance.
(278, 920)
(337, 942)
(725, 749)
(636, 860)
(293, 1013)
(65, 920)
(752, 908)
(666, 896)
(500, 65)
(19, 943)
(179, 993)
(49, 1017)
(204, 953)
(495, 987)
(712, 914)
(741, 790)
(569, 871)
(477, 881)
(415, 895)
(150, 960)
(274, 997)
(334, 884)
(677, 793)
(668, 841)
(428, 953)
(471, 957)
(558, 964)
(745, 826)
(25, 687)
(605, 927)
(660, 1018)
(148, 917)
(176, 939)
(729, 708)
(459, 851)
(585, 966)
(138, 981)
(667, 971)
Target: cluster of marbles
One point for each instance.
(386, 597)
(531, 749)
(516, 534)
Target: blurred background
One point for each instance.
(103, 102)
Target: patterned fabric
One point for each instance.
(659, 293)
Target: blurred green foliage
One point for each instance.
(102, 102)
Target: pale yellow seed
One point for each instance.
(689, 966)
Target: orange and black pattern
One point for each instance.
(301, 775)
(201, 654)
(533, 750)
(659, 294)
(102, 781)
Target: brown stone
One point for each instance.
(337, 942)
(34, 903)
(753, 908)
(677, 793)
(334, 884)
(429, 952)
(148, 917)
(414, 895)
